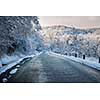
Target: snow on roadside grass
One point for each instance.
(89, 62)
(5, 68)
(93, 64)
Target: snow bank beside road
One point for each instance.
(93, 64)
(5, 68)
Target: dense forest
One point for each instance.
(19, 33)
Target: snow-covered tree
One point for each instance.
(17, 34)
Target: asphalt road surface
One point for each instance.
(48, 68)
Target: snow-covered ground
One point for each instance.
(15, 62)
(91, 62)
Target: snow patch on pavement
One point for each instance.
(18, 66)
(13, 71)
(4, 80)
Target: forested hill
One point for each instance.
(19, 33)
(68, 30)
(71, 40)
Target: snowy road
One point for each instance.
(50, 68)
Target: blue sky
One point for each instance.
(78, 21)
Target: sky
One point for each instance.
(76, 21)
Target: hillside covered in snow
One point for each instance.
(70, 40)
(68, 30)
